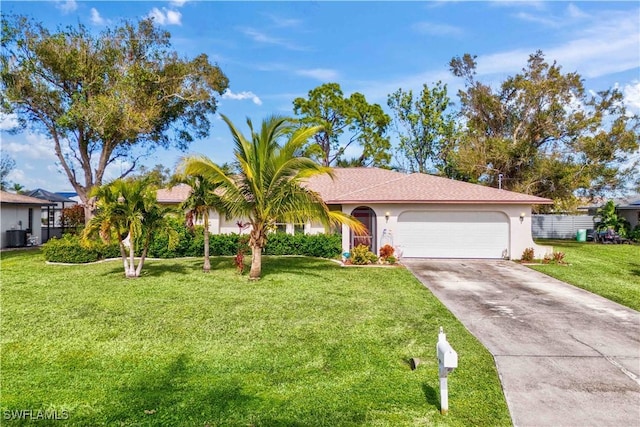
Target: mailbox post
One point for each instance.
(447, 362)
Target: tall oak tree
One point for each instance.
(104, 97)
(544, 133)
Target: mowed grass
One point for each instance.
(612, 271)
(311, 344)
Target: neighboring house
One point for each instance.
(20, 219)
(51, 215)
(627, 207)
(420, 215)
(630, 209)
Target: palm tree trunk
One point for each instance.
(131, 272)
(123, 252)
(256, 263)
(142, 258)
(207, 262)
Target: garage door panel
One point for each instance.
(453, 234)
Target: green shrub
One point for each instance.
(322, 245)
(283, 244)
(361, 255)
(315, 245)
(191, 244)
(70, 248)
(223, 244)
(635, 233)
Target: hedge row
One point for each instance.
(191, 244)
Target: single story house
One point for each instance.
(420, 215)
(20, 219)
(626, 207)
(631, 211)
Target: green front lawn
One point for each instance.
(311, 344)
(612, 271)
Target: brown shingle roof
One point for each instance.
(176, 194)
(19, 199)
(373, 185)
(360, 185)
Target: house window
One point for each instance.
(281, 227)
(298, 228)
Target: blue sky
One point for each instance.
(273, 52)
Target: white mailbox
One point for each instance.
(447, 362)
(447, 356)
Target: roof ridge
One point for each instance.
(403, 176)
(458, 182)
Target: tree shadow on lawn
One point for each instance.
(161, 267)
(635, 268)
(163, 395)
(178, 393)
(301, 265)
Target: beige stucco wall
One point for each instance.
(519, 231)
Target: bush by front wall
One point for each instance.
(191, 244)
(71, 249)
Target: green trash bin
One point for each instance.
(581, 235)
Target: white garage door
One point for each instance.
(452, 234)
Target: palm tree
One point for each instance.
(269, 184)
(17, 188)
(200, 201)
(129, 210)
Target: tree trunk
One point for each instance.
(142, 258)
(256, 263)
(207, 262)
(125, 262)
(131, 272)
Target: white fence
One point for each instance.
(559, 226)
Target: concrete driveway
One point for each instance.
(566, 357)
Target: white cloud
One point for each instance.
(67, 6)
(436, 29)
(8, 121)
(575, 12)
(606, 45)
(177, 3)
(174, 17)
(228, 94)
(542, 20)
(631, 94)
(96, 18)
(281, 22)
(166, 16)
(35, 146)
(519, 3)
(322, 74)
(261, 37)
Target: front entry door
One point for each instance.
(367, 217)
